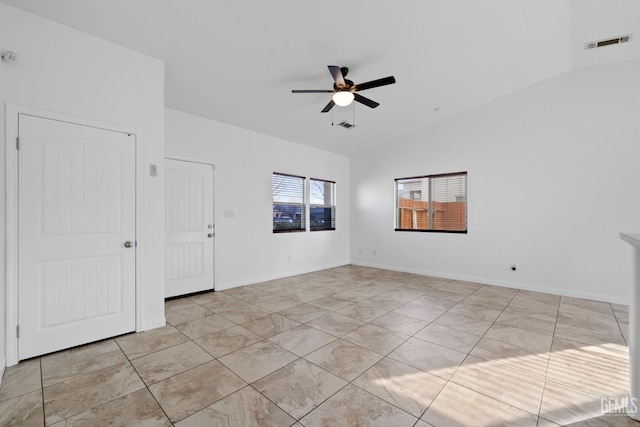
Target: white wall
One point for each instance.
(553, 178)
(3, 326)
(69, 72)
(247, 251)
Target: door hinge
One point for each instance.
(18, 331)
(17, 143)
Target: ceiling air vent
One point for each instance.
(608, 42)
(345, 125)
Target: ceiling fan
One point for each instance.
(345, 91)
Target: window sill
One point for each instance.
(432, 231)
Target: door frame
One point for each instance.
(213, 197)
(12, 112)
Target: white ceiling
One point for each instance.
(236, 61)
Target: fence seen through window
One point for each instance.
(432, 203)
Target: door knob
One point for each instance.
(128, 244)
(210, 234)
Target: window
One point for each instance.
(322, 199)
(288, 203)
(432, 203)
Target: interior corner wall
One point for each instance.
(3, 285)
(246, 249)
(552, 180)
(65, 71)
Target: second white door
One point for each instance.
(189, 227)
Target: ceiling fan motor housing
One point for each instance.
(348, 85)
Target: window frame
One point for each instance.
(441, 175)
(333, 206)
(303, 215)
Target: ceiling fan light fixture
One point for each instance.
(343, 98)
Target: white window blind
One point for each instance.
(322, 200)
(432, 203)
(288, 193)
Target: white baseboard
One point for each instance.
(506, 284)
(259, 279)
(482, 280)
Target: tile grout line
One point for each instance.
(319, 367)
(145, 384)
(414, 336)
(384, 356)
(546, 371)
(44, 415)
(615, 316)
(337, 391)
(450, 380)
(358, 376)
(76, 377)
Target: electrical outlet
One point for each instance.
(374, 252)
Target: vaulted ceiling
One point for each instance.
(236, 61)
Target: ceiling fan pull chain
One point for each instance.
(354, 113)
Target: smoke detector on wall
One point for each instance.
(608, 42)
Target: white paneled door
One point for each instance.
(189, 227)
(76, 256)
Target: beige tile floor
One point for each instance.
(346, 346)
